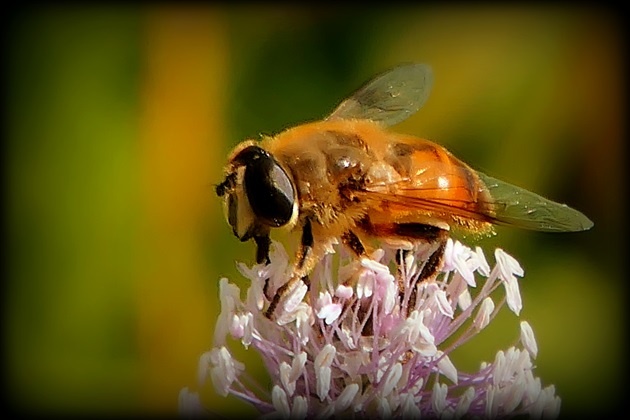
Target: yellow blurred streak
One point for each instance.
(182, 110)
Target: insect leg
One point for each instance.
(352, 241)
(302, 264)
(412, 232)
(434, 262)
(404, 293)
(306, 245)
(428, 234)
(401, 257)
(262, 254)
(262, 248)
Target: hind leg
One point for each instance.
(413, 233)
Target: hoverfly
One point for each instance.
(348, 177)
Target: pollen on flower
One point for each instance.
(367, 338)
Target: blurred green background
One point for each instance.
(118, 121)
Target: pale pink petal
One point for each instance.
(447, 368)
(392, 379)
(345, 399)
(482, 319)
(528, 339)
(344, 292)
(330, 312)
(513, 294)
(280, 401)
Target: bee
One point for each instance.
(348, 178)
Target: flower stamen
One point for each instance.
(359, 338)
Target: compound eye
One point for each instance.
(269, 190)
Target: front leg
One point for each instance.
(262, 248)
(304, 263)
(263, 242)
(306, 247)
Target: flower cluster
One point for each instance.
(361, 341)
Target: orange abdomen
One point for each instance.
(433, 184)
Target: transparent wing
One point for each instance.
(389, 98)
(518, 207)
(507, 205)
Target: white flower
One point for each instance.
(446, 367)
(327, 309)
(280, 402)
(359, 340)
(224, 369)
(528, 340)
(190, 405)
(483, 315)
(391, 380)
(346, 397)
(323, 372)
